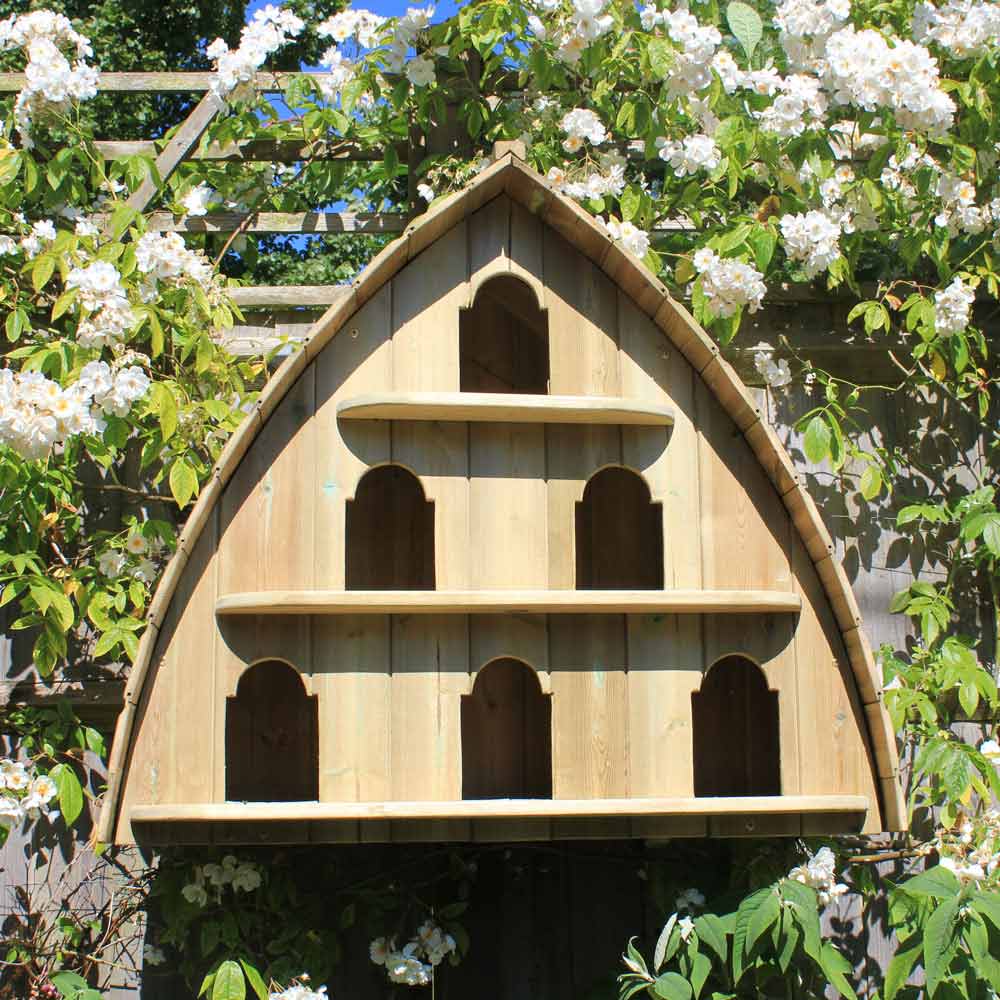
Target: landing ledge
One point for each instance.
(769, 805)
(498, 820)
(388, 602)
(504, 407)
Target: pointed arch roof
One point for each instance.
(511, 176)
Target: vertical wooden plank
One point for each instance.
(769, 641)
(507, 537)
(745, 529)
(351, 676)
(589, 706)
(832, 746)
(664, 668)
(526, 238)
(266, 542)
(573, 455)
(357, 360)
(192, 712)
(426, 297)
(667, 458)
(523, 637)
(582, 307)
(439, 454)
(489, 238)
(429, 661)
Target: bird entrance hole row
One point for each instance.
(272, 734)
(390, 533)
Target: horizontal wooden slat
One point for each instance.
(250, 150)
(163, 82)
(302, 223)
(288, 295)
(498, 809)
(504, 407)
(387, 602)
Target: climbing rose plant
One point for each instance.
(736, 150)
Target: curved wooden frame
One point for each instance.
(512, 177)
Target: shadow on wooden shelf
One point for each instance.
(484, 820)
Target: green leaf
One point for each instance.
(762, 919)
(255, 979)
(817, 439)
(711, 932)
(660, 951)
(762, 242)
(901, 966)
(183, 482)
(746, 25)
(625, 120)
(163, 404)
(70, 792)
(835, 967)
(871, 482)
(629, 202)
(746, 910)
(229, 982)
(987, 904)
(968, 698)
(121, 218)
(991, 535)
(63, 608)
(108, 641)
(941, 940)
(672, 986)
(661, 56)
(42, 270)
(14, 324)
(69, 984)
(701, 968)
(64, 302)
(936, 882)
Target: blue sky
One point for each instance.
(387, 8)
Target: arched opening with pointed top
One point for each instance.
(390, 533)
(737, 745)
(619, 534)
(272, 742)
(504, 340)
(507, 734)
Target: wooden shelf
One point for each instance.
(504, 407)
(542, 602)
(777, 805)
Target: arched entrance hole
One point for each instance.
(504, 340)
(619, 534)
(507, 735)
(390, 533)
(736, 735)
(272, 746)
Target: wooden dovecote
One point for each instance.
(505, 552)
